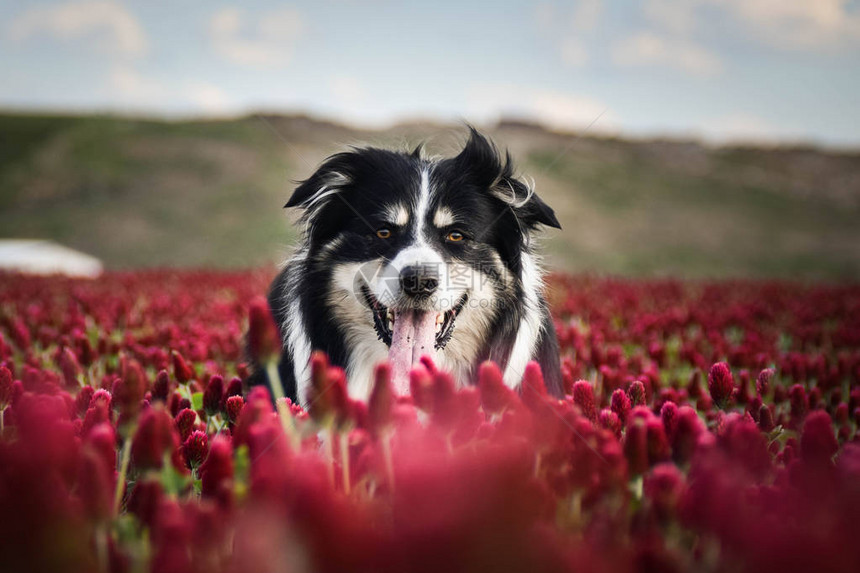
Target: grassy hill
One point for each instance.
(139, 192)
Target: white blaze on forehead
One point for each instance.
(397, 214)
(423, 204)
(443, 217)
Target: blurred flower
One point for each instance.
(263, 339)
(636, 393)
(620, 404)
(234, 388)
(161, 387)
(460, 473)
(82, 400)
(636, 446)
(381, 399)
(212, 395)
(534, 393)
(145, 499)
(799, 404)
(5, 387)
(762, 383)
(720, 384)
(185, 421)
(664, 486)
(70, 367)
(765, 418)
(195, 449)
(818, 441)
(496, 397)
(421, 387)
(327, 397)
(234, 407)
(687, 430)
(583, 396)
(658, 444)
(128, 393)
(669, 416)
(181, 370)
(155, 438)
(610, 420)
(216, 472)
(95, 485)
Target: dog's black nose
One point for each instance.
(419, 280)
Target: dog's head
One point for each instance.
(417, 247)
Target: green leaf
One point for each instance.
(197, 401)
(781, 435)
(172, 481)
(126, 527)
(242, 471)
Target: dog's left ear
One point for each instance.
(530, 209)
(481, 161)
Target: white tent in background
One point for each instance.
(44, 258)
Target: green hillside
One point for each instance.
(138, 192)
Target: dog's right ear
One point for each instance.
(331, 178)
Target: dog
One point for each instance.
(403, 256)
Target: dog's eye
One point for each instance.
(454, 236)
(383, 233)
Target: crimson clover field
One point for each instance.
(707, 426)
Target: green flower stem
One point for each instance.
(101, 539)
(123, 470)
(636, 487)
(329, 452)
(575, 509)
(344, 461)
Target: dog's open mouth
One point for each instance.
(411, 333)
(413, 325)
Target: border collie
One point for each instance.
(403, 256)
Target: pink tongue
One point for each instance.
(413, 336)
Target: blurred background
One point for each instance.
(695, 138)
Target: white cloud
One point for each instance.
(650, 49)
(586, 14)
(132, 89)
(679, 16)
(108, 25)
(799, 24)
(552, 109)
(569, 29)
(783, 24)
(132, 86)
(264, 42)
(573, 52)
(347, 89)
(208, 98)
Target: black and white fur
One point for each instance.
(320, 298)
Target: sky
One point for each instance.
(723, 70)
